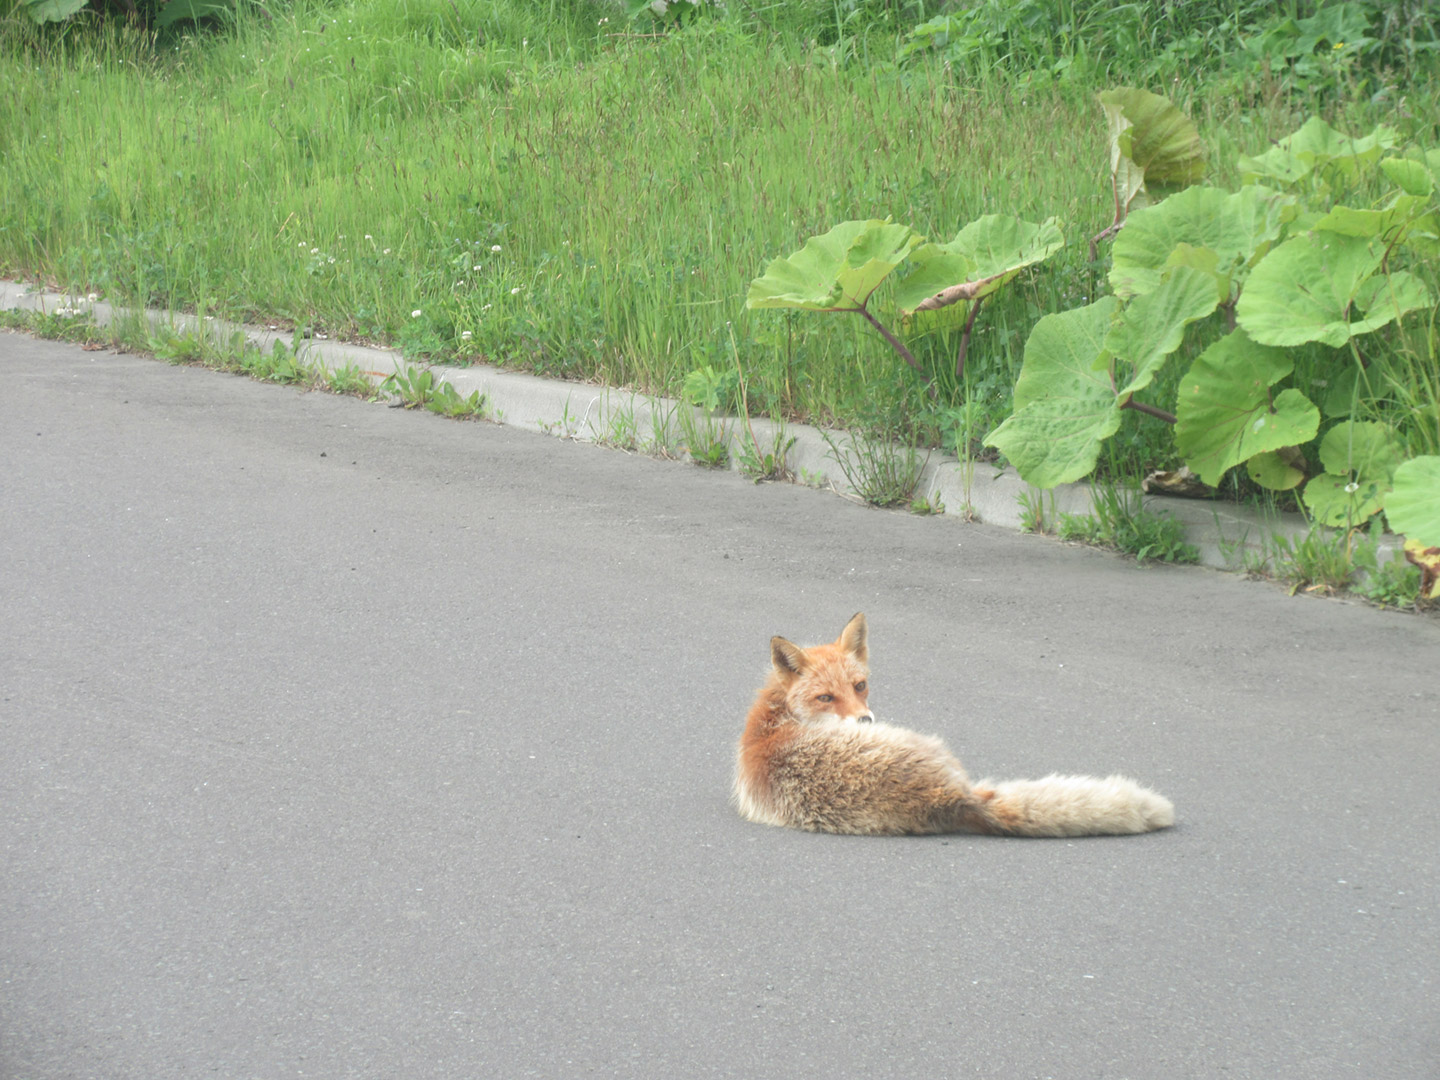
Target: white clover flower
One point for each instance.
(495, 248)
(515, 291)
(1351, 488)
(93, 297)
(415, 314)
(465, 335)
(369, 237)
(385, 252)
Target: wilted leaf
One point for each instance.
(983, 257)
(1427, 558)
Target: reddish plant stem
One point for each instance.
(965, 340)
(1149, 410)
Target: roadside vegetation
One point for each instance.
(593, 189)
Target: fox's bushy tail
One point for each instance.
(1069, 806)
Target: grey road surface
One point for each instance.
(341, 741)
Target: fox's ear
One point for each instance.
(855, 638)
(788, 658)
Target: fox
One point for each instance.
(814, 757)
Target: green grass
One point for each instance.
(526, 185)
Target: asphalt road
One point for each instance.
(341, 741)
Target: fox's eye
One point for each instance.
(861, 686)
(824, 697)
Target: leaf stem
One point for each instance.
(965, 340)
(897, 345)
(1149, 410)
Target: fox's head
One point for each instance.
(828, 682)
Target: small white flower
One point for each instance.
(495, 248)
(314, 251)
(331, 259)
(515, 291)
(477, 269)
(1351, 488)
(465, 335)
(385, 252)
(415, 314)
(485, 308)
(93, 297)
(369, 237)
(304, 243)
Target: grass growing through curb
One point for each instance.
(1120, 521)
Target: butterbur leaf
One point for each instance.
(1340, 502)
(1152, 326)
(1390, 222)
(1410, 176)
(1359, 457)
(1362, 450)
(1316, 145)
(1224, 413)
(983, 257)
(1413, 505)
(836, 271)
(1304, 290)
(51, 10)
(1236, 228)
(1064, 408)
(194, 10)
(1271, 470)
(1386, 297)
(1152, 145)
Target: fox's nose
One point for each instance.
(865, 718)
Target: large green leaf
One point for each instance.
(1152, 144)
(193, 10)
(51, 10)
(1235, 227)
(1152, 326)
(1305, 289)
(1224, 413)
(1360, 458)
(836, 271)
(983, 257)
(1064, 408)
(1316, 145)
(1413, 506)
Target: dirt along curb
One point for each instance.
(1227, 536)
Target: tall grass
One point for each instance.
(544, 184)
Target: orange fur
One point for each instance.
(813, 757)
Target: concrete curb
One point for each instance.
(1227, 536)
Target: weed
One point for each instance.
(1320, 562)
(1120, 521)
(348, 379)
(877, 468)
(1034, 517)
(927, 505)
